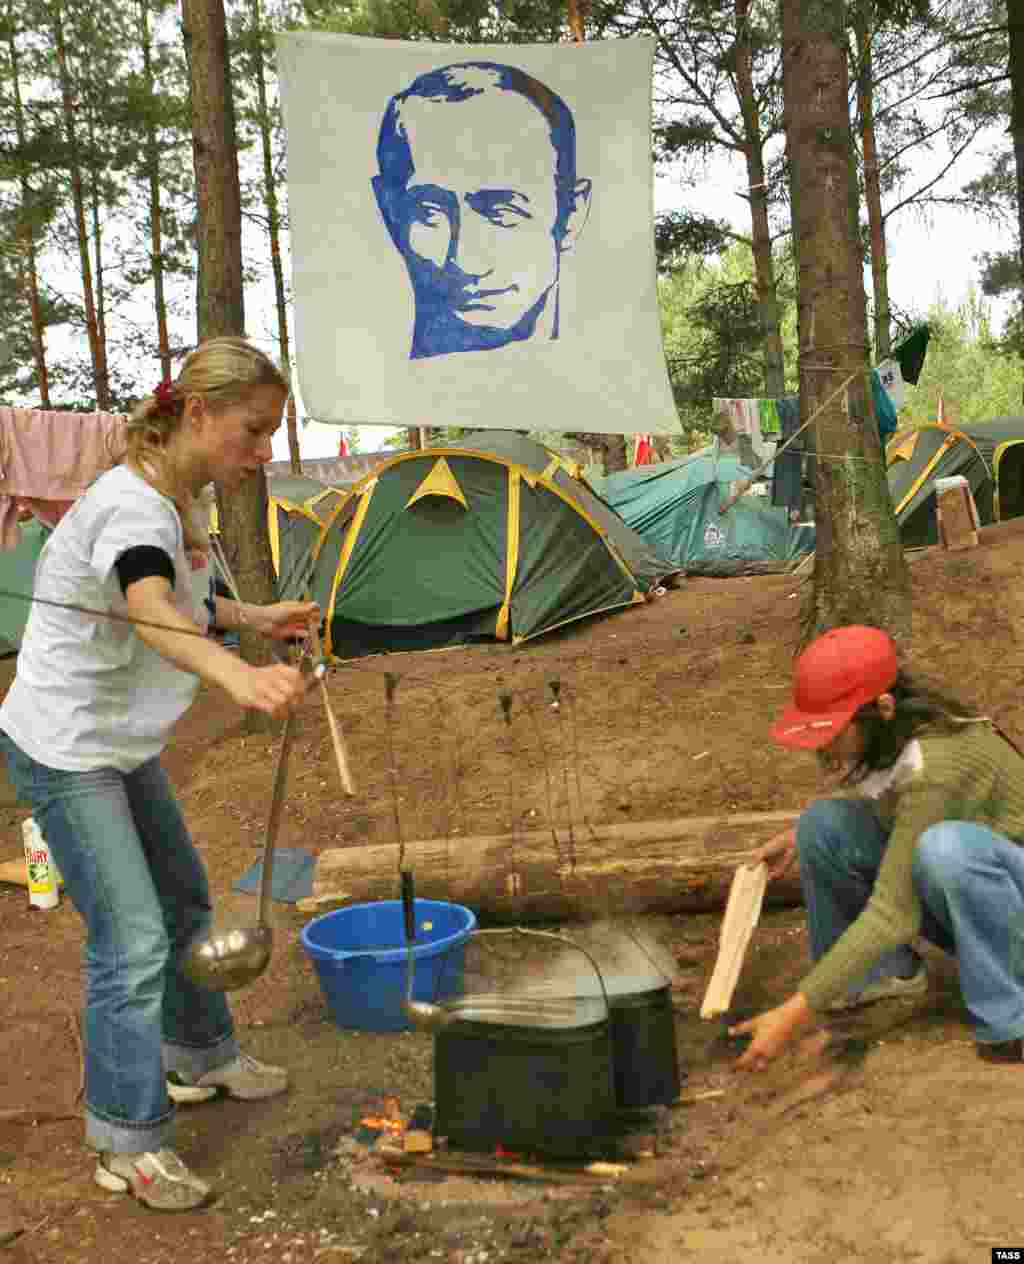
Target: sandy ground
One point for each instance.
(882, 1139)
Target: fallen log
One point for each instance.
(634, 867)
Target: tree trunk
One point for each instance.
(243, 514)
(274, 226)
(1015, 26)
(860, 575)
(635, 867)
(761, 238)
(872, 184)
(216, 168)
(28, 273)
(155, 208)
(99, 274)
(616, 454)
(97, 350)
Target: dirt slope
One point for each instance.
(892, 1144)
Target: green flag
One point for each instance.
(910, 353)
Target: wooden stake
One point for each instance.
(741, 913)
(337, 742)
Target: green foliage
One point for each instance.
(978, 376)
(682, 235)
(454, 21)
(712, 332)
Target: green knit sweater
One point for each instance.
(973, 775)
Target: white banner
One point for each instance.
(471, 234)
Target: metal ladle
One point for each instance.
(421, 1014)
(233, 958)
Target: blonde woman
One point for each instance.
(83, 726)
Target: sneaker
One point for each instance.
(159, 1180)
(887, 989)
(1001, 1051)
(243, 1077)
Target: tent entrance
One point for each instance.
(1010, 500)
(351, 639)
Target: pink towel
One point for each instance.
(53, 457)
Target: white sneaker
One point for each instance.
(243, 1077)
(157, 1179)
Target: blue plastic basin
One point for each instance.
(359, 956)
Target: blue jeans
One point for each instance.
(132, 871)
(970, 881)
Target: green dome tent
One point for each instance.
(990, 455)
(496, 537)
(674, 505)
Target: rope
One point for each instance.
(101, 614)
(745, 484)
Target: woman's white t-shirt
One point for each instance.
(88, 692)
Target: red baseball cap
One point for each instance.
(833, 678)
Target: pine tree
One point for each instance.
(860, 575)
(243, 515)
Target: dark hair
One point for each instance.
(394, 156)
(919, 706)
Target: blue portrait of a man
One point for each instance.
(477, 187)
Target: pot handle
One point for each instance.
(409, 905)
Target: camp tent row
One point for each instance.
(502, 537)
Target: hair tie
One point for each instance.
(164, 396)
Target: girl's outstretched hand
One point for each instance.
(772, 1031)
(285, 619)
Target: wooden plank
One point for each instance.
(742, 911)
(957, 524)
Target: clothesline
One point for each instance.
(747, 483)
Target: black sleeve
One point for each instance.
(141, 562)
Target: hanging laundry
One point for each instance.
(891, 377)
(769, 417)
(739, 429)
(788, 467)
(47, 459)
(885, 412)
(643, 450)
(910, 352)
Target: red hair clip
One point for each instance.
(164, 396)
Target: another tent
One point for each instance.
(297, 507)
(496, 537)
(17, 575)
(990, 455)
(675, 506)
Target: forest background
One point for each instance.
(99, 280)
